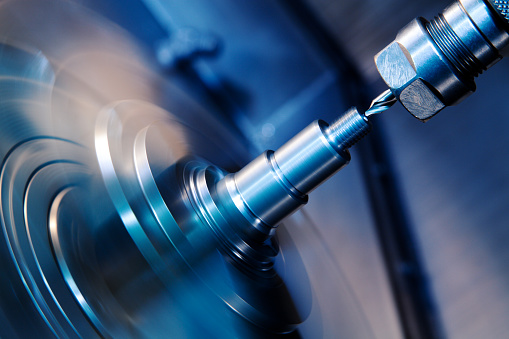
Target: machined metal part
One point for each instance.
(276, 184)
(178, 228)
(130, 233)
(242, 210)
(183, 224)
(193, 209)
(432, 64)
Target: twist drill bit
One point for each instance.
(381, 103)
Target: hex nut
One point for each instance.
(396, 67)
(420, 101)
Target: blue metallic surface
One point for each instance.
(125, 251)
(64, 212)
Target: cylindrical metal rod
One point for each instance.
(276, 184)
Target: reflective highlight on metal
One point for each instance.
(243, 209)
(31, 168)
(116, 224)
(433, 64)
(276, 184)
(381, 103)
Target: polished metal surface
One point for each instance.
(277, 183)
(243, 210)
(116, 224)
(431, 65)
(457, 208)
(119, 215)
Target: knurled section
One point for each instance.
(502, 7)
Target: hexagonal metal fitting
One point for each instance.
(418, 74)
(397, 69)
(433, 64)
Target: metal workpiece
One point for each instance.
(193, 220)
(432, 64)
(183, 233)
(244, 208)
(238, 213)
(276, 183)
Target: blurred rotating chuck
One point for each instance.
(238, 213)
(203, 234)
(432, 64)
(115, 226)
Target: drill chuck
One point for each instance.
(432, 64)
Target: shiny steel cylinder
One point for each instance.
(276, 184)
(309, 158)
(468, 34)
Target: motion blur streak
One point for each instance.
(60, 67)
(90, 131)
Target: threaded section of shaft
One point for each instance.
(348, 129)
(465, 62)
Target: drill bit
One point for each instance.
(381, 103)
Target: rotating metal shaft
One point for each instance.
(238, 213)
(257, 198)
(276, 183)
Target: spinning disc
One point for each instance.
(94, 243)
